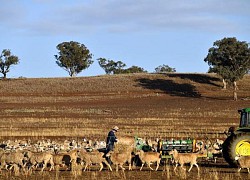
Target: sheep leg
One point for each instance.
(109, 167)
(150, 166)
(175, 167)
(101, 166)
(31, 167)
(157, 166)
(12, 165)
(51, 164)
(248, 170)
(86, 167)
(122, 167)
(24, 165)
(215, 158)
(129, 167)
(6, 167)
(51, 167)
(185, 168)
(130, 163)
(197, 166)
(190, 168)
(142, 165)
(37, 164)
(3, 164)
(43, 168)
(239, 169)
(105, 162)
(45, 165)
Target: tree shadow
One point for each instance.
(170, 87)
(199, 78)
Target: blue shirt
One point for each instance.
(111, 139)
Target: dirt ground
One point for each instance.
(147, 105)
(210, 170)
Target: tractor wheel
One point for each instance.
(236, 144)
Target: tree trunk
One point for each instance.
(235, 96)
(72, 73)
(235, 91)
(235, 86)
(224, 84)
(4, 75)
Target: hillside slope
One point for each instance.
(152, 105)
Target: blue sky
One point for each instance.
(145, 33)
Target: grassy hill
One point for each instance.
(148, 105)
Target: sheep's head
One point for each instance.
(237, 157)
(174, 151)
(139, 152)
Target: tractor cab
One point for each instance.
(244, 118)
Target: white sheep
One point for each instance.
(94, 157)
(183, 158)
(244, 162)
(36, 158)
(120, 158)
(12, 158)
(148, 157)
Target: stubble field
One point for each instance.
(147, 105)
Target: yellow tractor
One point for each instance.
(238, 140)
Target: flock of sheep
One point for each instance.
(25, 155)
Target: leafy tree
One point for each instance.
(73, 57)
(117, 67)
(134, 69)
(6, 61)
(164, 68)
(230, 59)
(111, 66)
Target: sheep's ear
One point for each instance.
(238, 154)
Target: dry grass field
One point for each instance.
(147, 105)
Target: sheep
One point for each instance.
(244, 162)
(212, 150)
(61, 160)
(36, 158)
(94, 157)
(12, 145)
(126, 141)
(182, 158)
(152, 144)
(148, 157)
(155, 144)
(66, 158)
(199, 145)
(11, 159)
(218, 144)
(73, 155)
(99, 145)
(119, 159)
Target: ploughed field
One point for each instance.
(146, 105)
